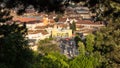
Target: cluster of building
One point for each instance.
(42, 25)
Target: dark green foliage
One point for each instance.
(106, 9)
(39, 5)
(107, 43)
(86, 58)
(14, 52)
(90, 43)
(4, 15)
(58, 17)
(107, 38)
(83, 61)
(81, 48)
(73, 26)
(77, 39)
(47, 46)
(13, 47)
(51, 60)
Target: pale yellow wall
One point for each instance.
(77, 28)
(61, 33)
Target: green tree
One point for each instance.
(51, 60)
(90, 43)
(77, 39)
(14, 52)
(83, 61)
(107, 43)
(73, 26)
(105, 9)
(107, 38)
(46, 46)
(81, 48)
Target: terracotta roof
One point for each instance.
(40, 27)
(33, 31)
(79, 26)
(85, 31)
(50, 25)
(25, 19)
(44, 32)
(50, 17)
(52, 21)
(30, 30)
(76, 18)
(62, 19)
(89, 22)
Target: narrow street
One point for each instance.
(68, 47)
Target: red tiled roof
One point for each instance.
(37, 31)
(50, 17)
(25, 19)
(88, 22)
(62, 19)
(40, 27)
(76, 18)
(79, 26)
(85, 30)
(44, 32)
(33, 31)
(52, 21)
(50, 25)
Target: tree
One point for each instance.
(39, 5)
(107, 38)
(105, 9)
(14, 52)
(77, 39)
(73, 26)
(85, 60)
(81, 48)
(46, 46)
(107, 43)
(90, 43)
(51, 60)
(4, 14)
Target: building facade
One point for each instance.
(67, 33)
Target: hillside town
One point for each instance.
(74, 21)
(59, 34)
(43, 25)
